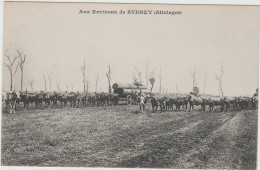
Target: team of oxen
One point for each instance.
(206, 103)
(48, 99)
(164, 102)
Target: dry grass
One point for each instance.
(121, 136)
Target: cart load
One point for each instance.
(128, 92)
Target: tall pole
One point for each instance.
(160, 77)
(205, 82)
(83, 71)
(21, 64)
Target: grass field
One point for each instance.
(119, 137)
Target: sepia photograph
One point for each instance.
(125, 85)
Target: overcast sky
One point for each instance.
(56, 40)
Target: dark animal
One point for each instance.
(227, 103)
(114, 99)
(243, 103)
(173, 100)
(71, 98)
(54, 98)
(158, 101)
(47, 99)
(254, 102)
(28, 98)
(40, 98)
(182, 101)
(218, 101)
(92, 100)
(234, 102)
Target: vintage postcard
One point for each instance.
(130, 85)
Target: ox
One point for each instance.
(254, 102)
(158, 101)
(10, 101)
(194, 100)
(70, 97)
(28, 98)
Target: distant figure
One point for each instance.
(79, 99)
(66, 94)
(142, 101)
(11, 101)
(55, 98)
(256, 94)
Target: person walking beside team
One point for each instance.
(142, 101)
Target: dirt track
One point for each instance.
(117, 137)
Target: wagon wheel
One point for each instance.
(129, 100)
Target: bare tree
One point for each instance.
(193, 74)
(83, 71)
(67, 87)
(45, 83)
(88, 84)
(219, 78)
(160, 80)
(72, 88)
(146, 74)
(31, 84)
(58, 86)
(205, 82)
(163, 90)
(22, 58)
(97, 83)
(135, 79)
(10, 66)
(49, 77)
(177, 91)
(139, 73)
(152, 80)
(108, 74)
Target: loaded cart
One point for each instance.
(128, 92)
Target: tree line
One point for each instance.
(18, 61)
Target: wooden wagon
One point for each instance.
(126, 92)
